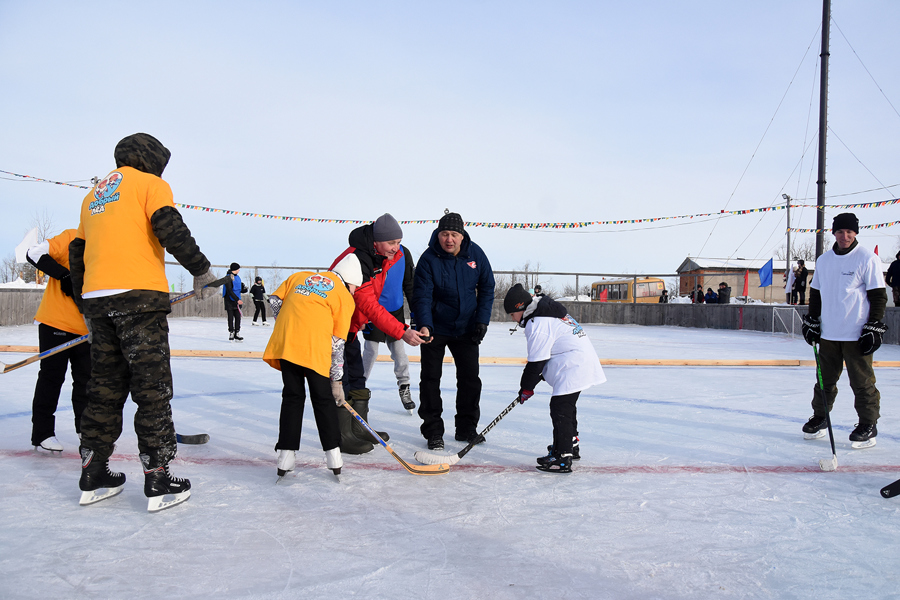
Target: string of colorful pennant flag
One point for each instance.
(551, 225)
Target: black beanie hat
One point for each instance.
(845, 221)
(234, 267)
(451, 222)
(516, 299)
(143, 152)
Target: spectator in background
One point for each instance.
(664, 299)
(538, 291)
(231, 293)
(258, 291)
(711, 297)
(800, 282)
(724, 293)
(697, 295)
(893, 279)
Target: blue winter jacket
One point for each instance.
(452, 293)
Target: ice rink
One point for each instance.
(694, 482)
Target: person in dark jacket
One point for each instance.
(664, 298)
(711, 297)
(453, 294)
(800, 282)
(724, 293)
(892, 279)
(258, 291)
(231, 293)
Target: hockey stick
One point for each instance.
(430, 458)
(825, 464)
(5, 368)
(891, 490)
(199, 438)
(415, 470)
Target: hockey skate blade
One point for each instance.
(828, 464)
(430, 458)
(818, 435)
(158, 503)
(97, 495)
(860, 445)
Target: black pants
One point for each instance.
(234, 319)
(565, 426)
(354, 371)
(468, 385)
(260, 310)
(51, 377)
(293, 398)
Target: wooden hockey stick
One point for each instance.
(432, 469)
(5, 368)
(431, 458)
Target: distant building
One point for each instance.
(709, 272)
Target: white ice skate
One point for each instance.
(334, 461)
(285, 462)
(51, 445)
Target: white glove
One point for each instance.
(200, 283)
(337, 391)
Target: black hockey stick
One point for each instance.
(432, 469)
(431, 458)
(825, 464)
(891, 490)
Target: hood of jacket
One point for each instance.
(143, 152)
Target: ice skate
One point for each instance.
(406, 398)
(863, 436)
(237, 336)
(559, 464)
(285, 462)
(230, 336)
(162, 490)
(334, 461)
(551, 451)
(97, 481)
(436, 442)
(51, 445)
(254, 323)
(814, 428)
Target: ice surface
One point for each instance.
(695, 482)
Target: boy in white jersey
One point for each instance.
(847, 299)
(560, 353)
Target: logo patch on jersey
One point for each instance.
(472, 264)
(105, 192)
(577, 329)
(315, 284)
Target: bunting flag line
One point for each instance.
(542, 226)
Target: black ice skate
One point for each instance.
(559, 464)
(161, 489)
(406, 398)
(97, 481)
(436, 442)
(863, 436)
(551, 451)
(814, 429)
(237, 336)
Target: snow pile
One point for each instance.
(20, 284)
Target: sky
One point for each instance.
(523, 112)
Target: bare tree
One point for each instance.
(805, 251)
(8, 269)
(43, 222)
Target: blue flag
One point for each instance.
(765, 274)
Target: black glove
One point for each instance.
(870, 339)
(478, 332)
(812, 329)
(65, 284)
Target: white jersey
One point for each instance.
(843, 282)
(573, 365)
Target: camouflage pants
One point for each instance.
(129, 354)
(832, 356)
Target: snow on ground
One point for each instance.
(695, 482)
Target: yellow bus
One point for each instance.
(646, 289)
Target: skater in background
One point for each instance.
(383, 263)
(452, 300)
(231, 294)
(560, 353)
(58, 322)
(307, 344)
(538, 291)
(128, 221)
(258, 291)
(847, 300)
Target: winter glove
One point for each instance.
(427, 339)
(65, 284)
(812, 329)
(337, 392)
(870, 340)
(524, 395)
(478, 332)
(200, 283)
(275, 303)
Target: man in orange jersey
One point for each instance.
(307, 344)
(118, 276)
(58, 322)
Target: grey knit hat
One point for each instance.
(386, 228)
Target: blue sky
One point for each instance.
(501, 111)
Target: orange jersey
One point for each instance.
(121, 251)
(315, 306)
(56, 309)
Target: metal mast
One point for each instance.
(823, 128)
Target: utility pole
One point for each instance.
(823, 128)
(787, 268)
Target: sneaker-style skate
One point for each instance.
(162, 490)
(334, 461)
(285, 462)
(406, 398)
(863, 436)
(559, 464)
(51, 445)
(814, 429)
(97, 481)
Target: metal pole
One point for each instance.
(823, 128)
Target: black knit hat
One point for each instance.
(517, 298)
(845, 221)
(234, 267)
(451, 222)
(143, 152)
